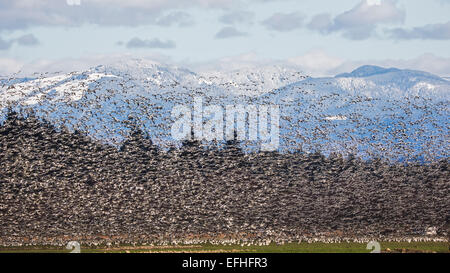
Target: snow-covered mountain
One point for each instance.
(371, 111)
(395, 80)
(254, 81)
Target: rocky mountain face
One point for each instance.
(57, 185)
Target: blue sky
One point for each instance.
(321, 37)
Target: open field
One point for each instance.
(388, 247)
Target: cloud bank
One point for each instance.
(229, 32)
(152, 43)
(23, 14)
(284, 21)
(316, 63)
(427, 32)
(25, 40)
(361, 21)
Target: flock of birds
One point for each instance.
(101, 169)
(57, 185)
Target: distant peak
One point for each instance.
(367, 71)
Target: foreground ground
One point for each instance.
(389, 247)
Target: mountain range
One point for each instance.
(371, 111)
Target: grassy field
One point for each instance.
(421, 247)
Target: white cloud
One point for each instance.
(236, 17)
(284, 21)
(230, 63)
(5, 44)
(427, 32)
(361, 21)
(370, 12)
(27, 40)
(22, 14)
(321, 22)
(24, 40)
(182, 19)
(316, 62)
(9, 66)
(229, 32)
(152, 43)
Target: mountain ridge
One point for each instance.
(367, 70)
(334, 113)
